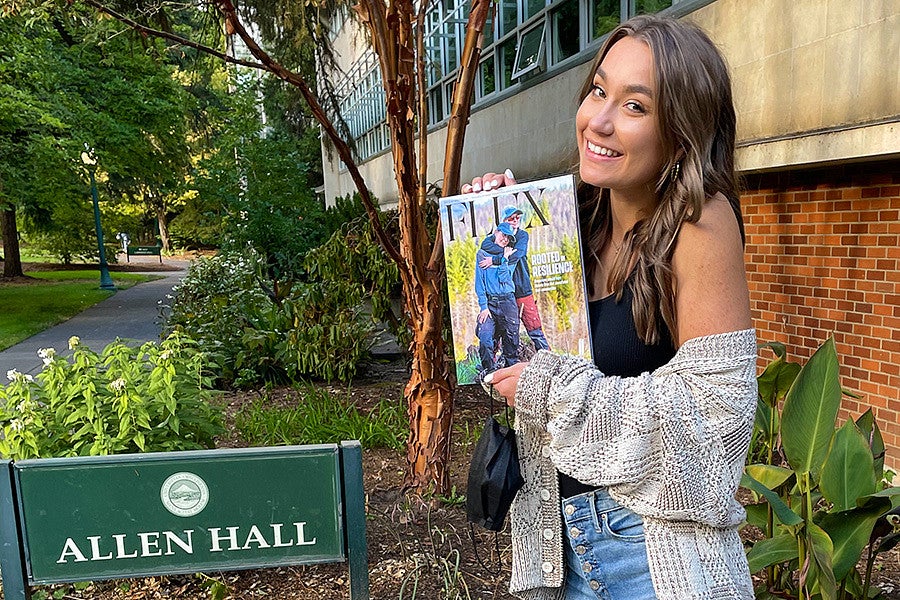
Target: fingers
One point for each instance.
(488, 182)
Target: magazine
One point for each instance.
(514, 274)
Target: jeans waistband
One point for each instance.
(500, 296)
(588, 504)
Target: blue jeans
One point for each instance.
(606, 557)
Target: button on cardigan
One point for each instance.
(670, 445)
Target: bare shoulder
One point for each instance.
(711, 294)
(717, 227)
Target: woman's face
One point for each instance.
(619, 140)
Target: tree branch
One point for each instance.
(267, 63)
(459, 115)
(423, 102)
(172, 37)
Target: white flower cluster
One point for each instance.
(74, 341)
(47, 355)
(14, 375)
(118, 385)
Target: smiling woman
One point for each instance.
(46, 298)
(638, 453)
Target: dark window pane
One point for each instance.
(530, 51)
(508, 16)
(488, 83)
(646, 7)
(450, 32)
(507, 58)
(566, 31)
(605, 17)
(435, 106)
(489, 30)
(532, 7)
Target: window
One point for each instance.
(532, 7)
(509, 16)
(507, 58)
(566, 31)
(435, 106)
(531, 51)
(486, 82)
(518, 40)
(605, 17)
(646, 7)
(488, 32)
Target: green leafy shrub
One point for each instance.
(353, 256)
(318, 330)
(322, 417)
(146, 399)
(216, 302)
(825, 491)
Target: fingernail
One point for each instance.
(490, 184)
(489, 378)
(508, 174)
(477, 187)
(466, 189)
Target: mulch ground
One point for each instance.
(416, 550)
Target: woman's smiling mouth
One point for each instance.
(602, 151)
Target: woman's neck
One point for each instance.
(627, 207)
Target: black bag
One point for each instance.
(494, 476)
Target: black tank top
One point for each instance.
(619, 351)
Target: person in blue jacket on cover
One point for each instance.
(499, 314)
(521, 275)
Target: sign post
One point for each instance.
(90, 518)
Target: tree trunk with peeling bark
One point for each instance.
(429, 392)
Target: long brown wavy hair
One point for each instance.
(697, 121)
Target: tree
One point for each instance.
(64, 86)
(396, 30)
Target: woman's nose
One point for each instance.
(602, 120)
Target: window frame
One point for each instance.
(540, 59)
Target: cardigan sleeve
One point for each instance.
(670, 444)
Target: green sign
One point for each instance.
(144, 250)
(183, 512)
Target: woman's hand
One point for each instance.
(483, 315)
(489, 181)
(504, 381)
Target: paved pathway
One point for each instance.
(131, 314)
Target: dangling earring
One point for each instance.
(673, 173)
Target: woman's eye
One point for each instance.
(635, 106)
(598, 91)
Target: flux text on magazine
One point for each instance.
(514, 275)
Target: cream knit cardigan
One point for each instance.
(670, 445)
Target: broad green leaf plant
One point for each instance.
(150, 398)
(824, 493)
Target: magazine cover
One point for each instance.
(514, 275)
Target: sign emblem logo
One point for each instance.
(184, 494)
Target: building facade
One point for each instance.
(817, 92)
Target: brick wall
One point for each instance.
(823, 258)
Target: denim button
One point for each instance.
(570, 510)
(547, 567)
(545, 495)
(594, 585)
(587, 568)
(574, 532)
(548, 534)
(579, 550)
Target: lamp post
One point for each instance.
(90, 161)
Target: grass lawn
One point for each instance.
(29, 308)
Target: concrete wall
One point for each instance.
(815, 80)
